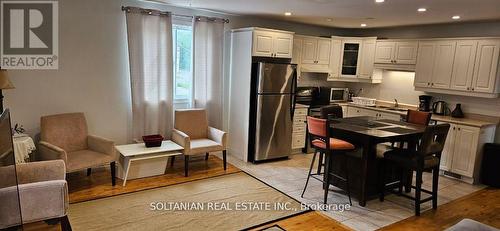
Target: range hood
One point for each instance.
(395, 67)
(314, 68)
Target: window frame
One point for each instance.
(187, 102)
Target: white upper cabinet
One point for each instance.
(406, 52)
(283, 45)
(336, 51)
(367, 59)
(270, 43)
(316, 51)
(262, 43)
(315, 54)
(425, 64)
(349, 64)
(309, 47)
(486, 66)
(443, 64)
(462, 66)
(352, 59)
(384, 52)
(323, 51)
(435, 64)
(396, 52)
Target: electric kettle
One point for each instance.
(439, 108)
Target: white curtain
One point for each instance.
(151, 74)
(208, 68)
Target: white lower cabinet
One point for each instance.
(299, 128)
(462, 153)
(389, 116)
(355, 111)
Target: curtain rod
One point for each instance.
(166, 13)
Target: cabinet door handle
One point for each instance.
(432, 84)
(473, 89)
(468, 88)
(453, 128)
(459, 129)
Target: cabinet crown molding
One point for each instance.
(261, 29)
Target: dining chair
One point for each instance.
(426, 157)
(322, 143)
(418, 117)
(413, 117)
(328, 112)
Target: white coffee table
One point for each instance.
(147, 161)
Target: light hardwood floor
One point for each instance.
(482, 206)
(98, 185)
(307, 221)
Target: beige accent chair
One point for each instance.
(65, 137)
(192, 132)
(43, 193)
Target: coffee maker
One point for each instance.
(425, 103)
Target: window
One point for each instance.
(183, 62)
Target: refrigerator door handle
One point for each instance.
(292, 94)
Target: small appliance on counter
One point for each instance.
(424, 103)
(339, 95)
(439, 108)
(457, 112)
(369, 102)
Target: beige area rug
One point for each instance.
(209, 202)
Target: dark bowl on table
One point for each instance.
(152, 141)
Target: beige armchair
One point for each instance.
(43, 193)
(65, 137)
(192, 132)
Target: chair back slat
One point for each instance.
(331, 111)
(418, 117)
(433, 140)
(316, 126)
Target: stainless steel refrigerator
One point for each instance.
(272, 107)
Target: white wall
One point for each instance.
(93, 75)
(456, 29)
(395, 85)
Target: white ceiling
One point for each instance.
(351, 13)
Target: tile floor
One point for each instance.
(289, 176)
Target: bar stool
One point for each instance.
(414, 117)
(426, 157)
(318, 130)
(333, 111)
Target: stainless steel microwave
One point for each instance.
(339, 95)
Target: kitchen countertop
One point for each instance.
(472, 120)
